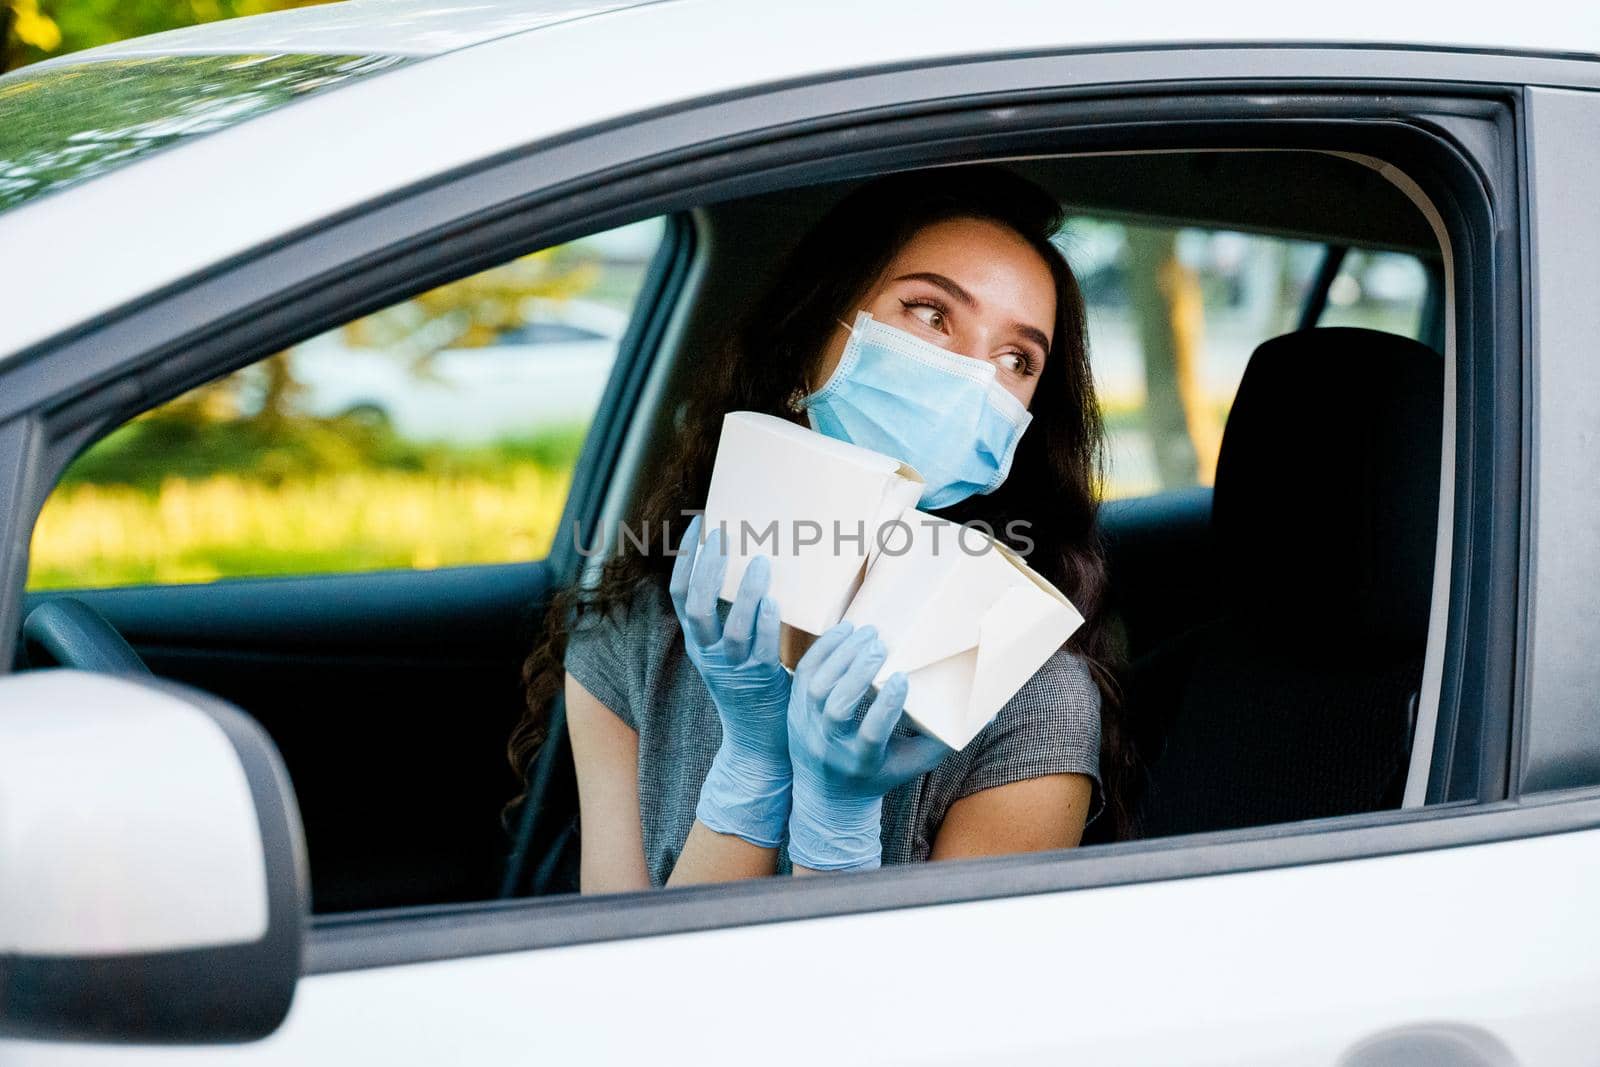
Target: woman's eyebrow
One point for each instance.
(1034, 334)
(942, 282)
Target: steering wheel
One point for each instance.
(68, 632)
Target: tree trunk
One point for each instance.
(1169, 313)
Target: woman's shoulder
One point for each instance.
(1064, 684)
(633, 626)
(635, 610)
(616, 648)
(1051, 725)
(1055, 713)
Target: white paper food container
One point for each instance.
(963, 616)
(802, 498)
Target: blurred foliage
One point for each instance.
(476, 310)
(39, 29)
(171, 442)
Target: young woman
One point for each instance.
(697, 758)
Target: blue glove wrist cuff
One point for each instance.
(832, 834)
(745, 796)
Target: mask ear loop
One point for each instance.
(797, 396)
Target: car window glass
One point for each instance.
(1174, 314)
(1378, 290)
(103, 114)
(439, 431)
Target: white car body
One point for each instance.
(1487, 939)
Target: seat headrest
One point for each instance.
(1327, 487)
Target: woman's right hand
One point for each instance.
(843, 768)
(747, 790)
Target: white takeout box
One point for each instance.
(802, 498)
(963, 616)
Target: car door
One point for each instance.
(366, 679)
(1460, 924)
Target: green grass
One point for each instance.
(148, 452)
(167, 500)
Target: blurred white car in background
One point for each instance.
(548, 372)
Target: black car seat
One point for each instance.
(1298, 699)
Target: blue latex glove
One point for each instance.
(842, 769)
(746, 791)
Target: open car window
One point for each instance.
(440, 431)
(1176, 311)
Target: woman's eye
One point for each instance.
(1018, 363)
(929, 314)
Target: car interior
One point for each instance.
(1273, 624)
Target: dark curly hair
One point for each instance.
(1052, 486)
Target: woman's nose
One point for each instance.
(974, 342)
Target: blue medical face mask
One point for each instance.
(942, 413)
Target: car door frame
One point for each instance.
(1458, 137)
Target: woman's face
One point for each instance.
(972, 287)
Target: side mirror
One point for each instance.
(152, 868)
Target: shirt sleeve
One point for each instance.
(597, 657)
(1051, 726)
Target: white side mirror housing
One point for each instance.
(152, 868)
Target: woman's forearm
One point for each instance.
(708, 856)
(744, 799)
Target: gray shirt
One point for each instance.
(635, 665)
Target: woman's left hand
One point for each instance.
(746, 791)
(843, 769)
